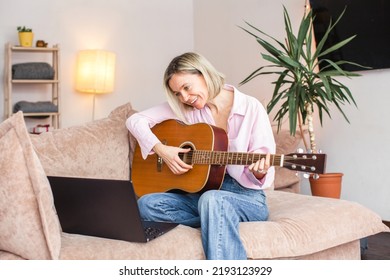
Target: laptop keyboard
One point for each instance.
(155, 229)
(152, 232)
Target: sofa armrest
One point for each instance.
(9, 256)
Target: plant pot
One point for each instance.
(26, 39)
(327, 185)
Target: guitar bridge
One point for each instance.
(160, 161)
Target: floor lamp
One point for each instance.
(95, 73)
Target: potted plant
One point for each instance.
(301, 88)
(26, 36)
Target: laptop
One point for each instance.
(103, 208)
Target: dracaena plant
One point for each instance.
(301, 86)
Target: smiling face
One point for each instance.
(190, 89)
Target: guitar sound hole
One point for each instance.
(187, 157)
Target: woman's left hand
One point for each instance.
(260, 167)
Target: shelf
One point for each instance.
(35, 81)
(33, 49)
(48, 114)
(10, 84)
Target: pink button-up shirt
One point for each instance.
(249, 130)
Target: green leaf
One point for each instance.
(298, 83)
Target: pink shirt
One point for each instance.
(249, 130)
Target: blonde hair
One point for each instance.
(196, 64)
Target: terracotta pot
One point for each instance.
(327, 185)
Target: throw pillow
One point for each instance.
(29, 225)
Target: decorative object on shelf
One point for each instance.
(40, 128)
(41, 44)
(26, 36)
(95, 73)
(300, 84)
(32, 71)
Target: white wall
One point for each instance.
(358, 149)
(231, 49)
(146, 34)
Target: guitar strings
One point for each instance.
(232, 158)
(223, 157)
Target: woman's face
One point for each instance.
(191, 89)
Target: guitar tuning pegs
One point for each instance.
(293, 167)
(306, 175)
(316, 176)
(319, 151)
(300, 151)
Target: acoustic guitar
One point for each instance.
(209, 156)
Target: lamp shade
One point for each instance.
(95, 71)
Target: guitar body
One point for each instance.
(152, 175)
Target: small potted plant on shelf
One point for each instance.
(301, 87)
(26, 36)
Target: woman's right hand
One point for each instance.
(170, 156)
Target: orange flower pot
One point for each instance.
(327, 185)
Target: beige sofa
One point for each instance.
(299, 227)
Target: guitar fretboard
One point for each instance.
(227, 158)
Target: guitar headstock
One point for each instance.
(310, 163)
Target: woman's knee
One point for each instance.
(211, 197)
(144, 201)
(147, 206)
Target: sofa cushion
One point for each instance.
(29, 226)
(285, 142)
(180, 243)
(286, 179)
(301, 225)
(98, 149)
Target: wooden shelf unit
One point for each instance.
(9, 83)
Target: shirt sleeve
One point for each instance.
(140, 124)
(251, 131)
(263, 142)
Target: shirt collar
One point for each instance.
(239, 104)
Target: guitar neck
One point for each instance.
(228, 158)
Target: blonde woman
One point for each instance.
(197, 93)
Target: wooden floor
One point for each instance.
(378, 247)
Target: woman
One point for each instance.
(196, 93)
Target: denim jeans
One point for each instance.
(217, 212)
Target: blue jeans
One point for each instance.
(217, 212)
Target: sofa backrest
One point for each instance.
(98, 149)
(286, 179)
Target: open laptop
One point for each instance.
(103, 208)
